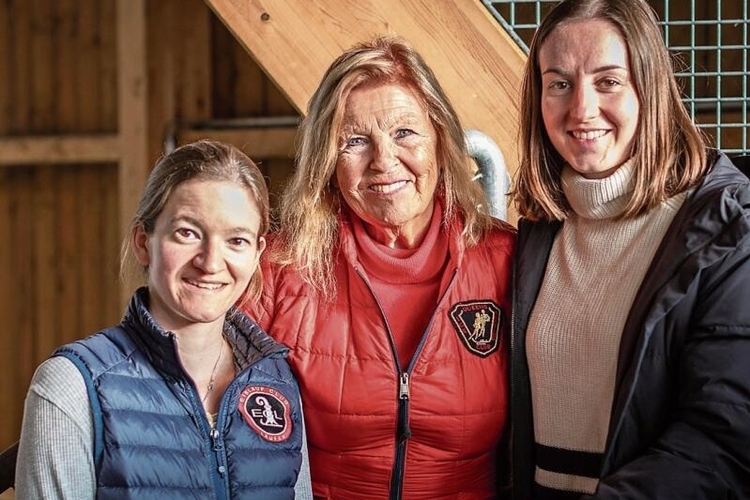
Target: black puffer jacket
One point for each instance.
(680, 423)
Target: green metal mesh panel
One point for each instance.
(709, 38)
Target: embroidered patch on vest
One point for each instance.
(478, 325)
(267, 412)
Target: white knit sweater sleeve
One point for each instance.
(55, 455)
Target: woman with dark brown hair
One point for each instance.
(631, 336)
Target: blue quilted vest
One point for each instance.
(152, 438)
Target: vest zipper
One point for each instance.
(402, 435)
(218, 446)
(403, 431)
(219, 475)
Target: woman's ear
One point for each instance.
(139, 239)
(261, 244)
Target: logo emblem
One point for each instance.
(267, 411)
(478, 325)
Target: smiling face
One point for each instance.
(590, 105)
(202, 253)
(387, 167)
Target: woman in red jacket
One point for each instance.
(389, 281)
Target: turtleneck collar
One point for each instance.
(399, 265)
(599, 198)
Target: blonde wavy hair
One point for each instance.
(309, 206)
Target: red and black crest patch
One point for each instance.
(478, 325)
(267, 412)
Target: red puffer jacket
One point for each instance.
(375, 431)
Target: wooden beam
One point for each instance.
(477, 63)
(257, 143)
(35, 150)
(132, 90)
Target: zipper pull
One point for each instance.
(215, 438)
(403, 386)
(221, 469)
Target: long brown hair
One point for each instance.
(669, 149)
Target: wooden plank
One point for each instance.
(42, 105)
(90, 252)
(69, 297)
(24, 302)
(6, 47)
(132, 105)
(193, 62)
(86, 66)
(9, 333)
(111, 243)
(19, 84)
(161, 47)
(249, 83)
(475, 60)
(66, 53)
(107, 62)
(23, 150)
(256, 143)
(49, 187)
(224, 85)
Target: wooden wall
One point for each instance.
(58, 246)
(59, 230)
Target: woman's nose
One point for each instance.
(210, 258)
(383, 154)
(585, 103)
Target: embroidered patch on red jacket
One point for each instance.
(478, 325)
(267, 412)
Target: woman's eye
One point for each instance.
(186, 233)
(610, 83)
(355, 141)
(239, 242)
(403, 132)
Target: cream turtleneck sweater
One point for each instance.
(594, 270)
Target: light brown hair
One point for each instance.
(201, 160)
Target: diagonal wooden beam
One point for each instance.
(479, 65)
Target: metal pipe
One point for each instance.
(492, 171)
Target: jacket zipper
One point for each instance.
(215, 442)
(220, 456)
(403, 431)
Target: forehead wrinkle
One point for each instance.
(394, 115)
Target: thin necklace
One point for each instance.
(210, 386)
